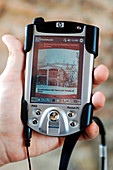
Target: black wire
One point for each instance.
(70, 142)
(102, 163)
(103, 141)
(101, 130)
(29, 162)
(27, 129)
(68, 147)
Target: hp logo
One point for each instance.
(60, 24)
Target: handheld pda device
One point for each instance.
(58, 78)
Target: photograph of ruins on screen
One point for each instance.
(57, 69)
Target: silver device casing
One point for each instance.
(62, 126)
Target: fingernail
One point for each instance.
(3, 38)
(95, 127)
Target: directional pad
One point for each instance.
(54, 115)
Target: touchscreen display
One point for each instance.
(57, 69)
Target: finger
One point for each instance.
(90, 132)
(16, 54)
(99, 42)
(98, 100)
(42, 144)
(101, 74)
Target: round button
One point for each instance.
(35, 121)
(71, 114)
(54, 115)
(73, 123)
(38, 112)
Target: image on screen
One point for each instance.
(57, 70)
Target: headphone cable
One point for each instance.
(102, 146)
(29, 162)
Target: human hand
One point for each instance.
(11, 127)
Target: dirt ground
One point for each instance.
(15, 15)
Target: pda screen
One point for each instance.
(57, 69)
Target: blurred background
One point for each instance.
(15, 15)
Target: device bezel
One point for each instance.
(86, 85)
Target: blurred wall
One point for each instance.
(15, 15)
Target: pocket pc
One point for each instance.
(58, 78)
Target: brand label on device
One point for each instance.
(60, 24)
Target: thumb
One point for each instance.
(16, 57)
